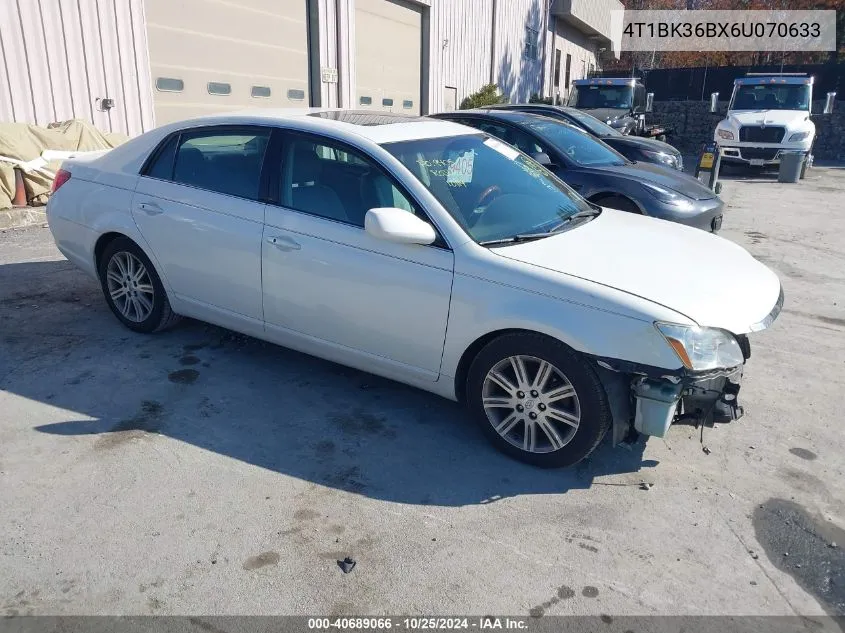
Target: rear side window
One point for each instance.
(225, 161)
(162, 163)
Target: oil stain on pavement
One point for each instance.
(806, 547)
(184, 376)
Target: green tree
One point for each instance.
(488, 95)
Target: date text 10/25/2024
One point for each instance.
(417, 623)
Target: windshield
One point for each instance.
(491, 189)
(602, 96)
(770, 97)
(578, 146)
(599, 128)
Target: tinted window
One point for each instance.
(387, 102)
(491, 190)
(162, 163)
(296, 95)
(218, 88)
(591, 123)
(169, 84)
(520, 140)
(407, 104)
(601, 96)
(334, 183)
(366, 100)
(224, 161)
(260, 91)
(578, 146)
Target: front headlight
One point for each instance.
(670, 160)
(677, 200)
(725, 134)
(702, 348)
(798, 136)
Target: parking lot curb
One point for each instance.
(22, 216)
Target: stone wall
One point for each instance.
(693, 125)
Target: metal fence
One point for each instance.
(696, 84)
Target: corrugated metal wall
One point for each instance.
(461, 48)
(517, 75)
(58, 57)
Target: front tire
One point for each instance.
(537, 400)
(133, 289)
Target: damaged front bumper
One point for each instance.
(648, 400)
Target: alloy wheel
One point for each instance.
(531, 404)
(130, 287)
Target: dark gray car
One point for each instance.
(598, 172)
(634, 148)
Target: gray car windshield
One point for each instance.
(591, 123)
(772, 97)
(579, 147)
(491, 189)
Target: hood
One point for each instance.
(605, 114)
(659, 175)
(767, 117)
(707, 278)
(648, 144)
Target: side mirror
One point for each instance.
(542, 158)
(714, 102)
(397, 225)
(649, 102)
(828, 103)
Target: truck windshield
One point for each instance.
(602, 97)
(769, 97)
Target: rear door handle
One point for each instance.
(284, 243)
(150, 208)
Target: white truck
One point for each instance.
(767, 115)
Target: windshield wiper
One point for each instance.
(527, 237)
(515, 239)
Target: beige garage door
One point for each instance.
(388, 39)
(210, 56)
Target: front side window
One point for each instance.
(581, 148)
(336, 183)
(492, 190)
(223, 161)
(771, 97)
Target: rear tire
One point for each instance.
(551, 413)
(133, 289)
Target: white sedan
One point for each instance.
(426, 252)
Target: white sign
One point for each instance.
(460, 169)
(328, 75)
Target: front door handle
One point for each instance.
(284, 243)
(150, 208)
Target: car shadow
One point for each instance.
(253, 401)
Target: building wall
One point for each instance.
(461, 43)
(571, 41)
(518, 75)
(59, 57)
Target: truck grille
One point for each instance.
(766, 153)
(760, 134)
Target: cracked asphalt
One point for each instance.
(202, 472)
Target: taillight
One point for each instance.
(61, 178)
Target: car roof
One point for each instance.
(526, 107)
(607, 81)
(376, 126)
(515, 116)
